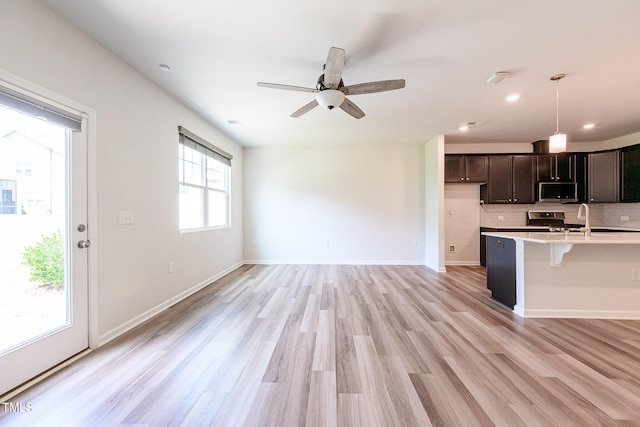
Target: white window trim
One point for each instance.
(210, 152)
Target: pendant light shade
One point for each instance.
(557, 141)
(330, 98)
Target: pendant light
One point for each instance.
(557, 141)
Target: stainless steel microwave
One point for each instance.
(560, 192)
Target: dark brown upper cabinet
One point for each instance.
(604, 176)
(465, 168)
(555, 167)
(511, 179)
(630, 176)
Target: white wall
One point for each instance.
(462, 224)
(136, 155)
(334, 204)
(623, 141)
(434, 203)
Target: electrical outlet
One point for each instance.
(635, 274)
(624, 218)
(500, 217)
(171, 269)
(452, 248)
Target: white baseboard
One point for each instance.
(116, 332)
(470, 263)
(329, 262)
(581, 314)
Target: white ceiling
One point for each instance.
(444, 49)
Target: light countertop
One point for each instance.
(602, 238)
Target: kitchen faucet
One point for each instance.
(583, 213)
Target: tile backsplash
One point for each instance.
(614, 213)
(601, 215)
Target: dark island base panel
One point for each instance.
(501, 270)
(483, 239)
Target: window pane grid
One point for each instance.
(204, 188)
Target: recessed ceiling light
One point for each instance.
(165, 67)
(513, 97)
(498, 77)
(463, 128)
(589, 126)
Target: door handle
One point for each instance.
(84, 244)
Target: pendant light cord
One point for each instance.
(557, 78)
(558, 106)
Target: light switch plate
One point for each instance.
(125, 217)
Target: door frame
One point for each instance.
(89, 115)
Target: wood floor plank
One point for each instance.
(323, 400)
(347, 345)
(347, 372)
(324, 355)
(378, 402)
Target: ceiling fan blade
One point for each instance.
(333, 68)
(287, 87)
(372, 87)
(305, 109)
(352, 109)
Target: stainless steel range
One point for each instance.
(555, 220)
(546, 218)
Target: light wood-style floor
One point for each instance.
(318, 345)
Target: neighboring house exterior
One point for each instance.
(31, 174)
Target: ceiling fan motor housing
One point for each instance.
(321, 86)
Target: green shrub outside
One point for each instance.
(46, 260)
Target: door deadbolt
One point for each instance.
(82, 228)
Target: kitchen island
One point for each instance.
(569, 275)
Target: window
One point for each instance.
(204, 183)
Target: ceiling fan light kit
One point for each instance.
(330, 98)
(330, 89)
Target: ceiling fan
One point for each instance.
(330, 90)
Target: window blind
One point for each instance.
(39, 109)
(195, 142)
